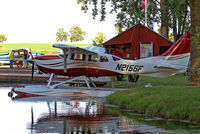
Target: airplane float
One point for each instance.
(87, 63)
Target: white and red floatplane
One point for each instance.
(85, 62)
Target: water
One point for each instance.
(55, 115)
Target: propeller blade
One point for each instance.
(32, 70)
(33, 64)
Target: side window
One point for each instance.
(92, 58)
(115, 58)
(76, 56)
(103, 59)
(72, 56)
(82, 57)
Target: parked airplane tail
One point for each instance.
(176, 58)
(181, 46)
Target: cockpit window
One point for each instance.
(77, 56)
(103, 59)
(72, 56)
(115, 58)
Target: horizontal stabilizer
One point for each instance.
(159, 74)
(166, 68)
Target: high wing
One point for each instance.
(67, 49)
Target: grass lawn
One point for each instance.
(35, 47)
(172, 97)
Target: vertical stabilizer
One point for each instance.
(181, 46)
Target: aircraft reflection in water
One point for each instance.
(75, 117)
(80, 116)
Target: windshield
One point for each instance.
(115, 58)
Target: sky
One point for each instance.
(37, 21)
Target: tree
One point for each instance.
(178, 16)
(118, 30)
(61, 35)
(172, 14)
(99, 39)
(76, 34)
(2, 38)
(195, 42)
(164, 18)
(170, 35)
(129, 12)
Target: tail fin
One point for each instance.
(180, 47)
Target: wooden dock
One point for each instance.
(23, 75)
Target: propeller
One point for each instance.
(31, 61)
(33, 67)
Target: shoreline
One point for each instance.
(169, 98)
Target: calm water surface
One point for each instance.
(63, 115)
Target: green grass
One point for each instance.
(170, 97)
(36, 47)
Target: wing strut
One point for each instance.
(65, 60)
(73, 80)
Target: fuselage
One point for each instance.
(106, 65)
(82, 61)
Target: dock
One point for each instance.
(24, 75)
(21, 75)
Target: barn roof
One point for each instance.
(131, 34)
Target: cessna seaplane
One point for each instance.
(77, 61)
(86, 63)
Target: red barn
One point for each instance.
(137, 42)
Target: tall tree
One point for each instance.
(164, 18)
(61, 35)
(178, 16)
(76, 34)
(172, 14)
(99, 39)
(128, 12)
(2, 38)
(195, 42)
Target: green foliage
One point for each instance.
(130, 12)
(179, 16)
(76, 34)
(2, 38)
(170, 35)
(119, 30)
(99, 39)
(84, 6)
(170, 97)
(61, 35)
